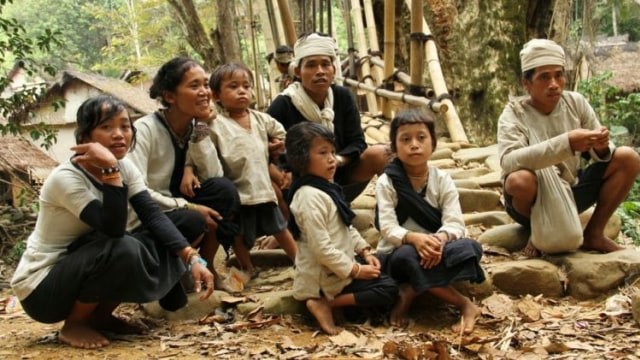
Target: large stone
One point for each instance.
(533, 276)
(449, 145)
(467, 184)
(364, 202)
(459, 174)
(595, 275)
(274, 302)
(264, 259)
(442, 163)
(475, 154)
(479, 200)
(513, 237)
(487, 218)
(444, 153)
(363, 219)
(612, 230)
(371, 236)
(195, 308)
(492, 179)
(493, 162)
(475, 291)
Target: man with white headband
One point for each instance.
(558, 129)
(317, 99)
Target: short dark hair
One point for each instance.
(413, 116)
(284, 49)
(298, 143)
(225, 71)
(169, 77)
(96, 110)
(528, 74)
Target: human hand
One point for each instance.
(582, 140)
(93, 154)
(211, 216)
(429, 247)
(368, 272)
(189, 182)
(202, 276)
(372, 260)
(276, 148)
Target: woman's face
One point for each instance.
(192, 96)
(115, 134)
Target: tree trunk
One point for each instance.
(225, 33)
(195, 32)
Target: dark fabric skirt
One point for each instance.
(222, 196)
(109, 270)
(460, 261)
(258, 220)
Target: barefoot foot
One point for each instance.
(470, 313)
(322, 312)
(530, 251)
(398, 316)
(81, 335)
(600, 243)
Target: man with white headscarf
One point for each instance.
(552, 127)
(317, 99)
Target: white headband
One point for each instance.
(314, 44)
(541, 52)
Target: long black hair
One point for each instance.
(96, 110)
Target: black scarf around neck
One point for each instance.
(410, 203)
(333, 190)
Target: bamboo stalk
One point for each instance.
(287, 20)
(267, 22)
(416, 62)
(389, 49)
(402, 77)
(435, 71)
(436, 106)
(256, 68)
(373, 39)
(279, 32)
(356, 11)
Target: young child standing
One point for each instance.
(328, 274)
(420, 220)
(242, 138)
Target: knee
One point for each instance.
(627, 161)
(127, 249)
(521, 184)
(377, 156)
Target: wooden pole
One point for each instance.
(438, 107)
(389, 51)
(402, 77)
(416, 62)
(289, 29)
(356, 12)
(256, 67)
(435, 71)
(373, 39)
(278, 34)
(267, 22)
(351, 50)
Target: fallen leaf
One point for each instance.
(498, 306)
(233, 300)
(529, 309)
(344, 338)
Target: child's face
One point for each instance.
(322, 159)
(413, 144)
(115, 134)
(235, 92)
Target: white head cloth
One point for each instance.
(314, 44)
(541, 52)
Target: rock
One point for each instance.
(593, 275)
(613, 225)
(195, 308)
(493, 163)
(475, 154)
(635, 307)
(443, 153)
(364, 202)
(479, 200)
(363, 219)
(487, 218)
(466, 184)
(448, 145)
(274, 302)
(512, 237)
(533, 276)
(475, 291)
(371, 236)
(442, 163)
(492, 179)
(264, 259)
(458, 174)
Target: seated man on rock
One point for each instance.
(558, 129)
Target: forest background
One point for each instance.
(478, 44)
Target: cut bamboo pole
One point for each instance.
(416, 62)
(356, 12)
(373, 39)
(436, 106)
(402, 77)
(389, 50)
(256, 68)
(456, 131)
(279, 34)
(267, 22)
(287, 20)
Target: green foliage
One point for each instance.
(627, 15)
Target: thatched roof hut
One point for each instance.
(622, 61)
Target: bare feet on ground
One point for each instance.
(398, 316)
(470, 313)
(530, 251)
(322, 312)
(600, 243)
(116, 325)
(81, 335)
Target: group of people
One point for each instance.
(139, 204)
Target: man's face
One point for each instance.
(316, 74)
(545, 87)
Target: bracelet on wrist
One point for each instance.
(196, 259)
(358, 267)
(110, 170)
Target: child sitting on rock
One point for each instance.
(328, 275)
(419, 217)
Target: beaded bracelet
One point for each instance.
(110, 170)
(195, 260)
